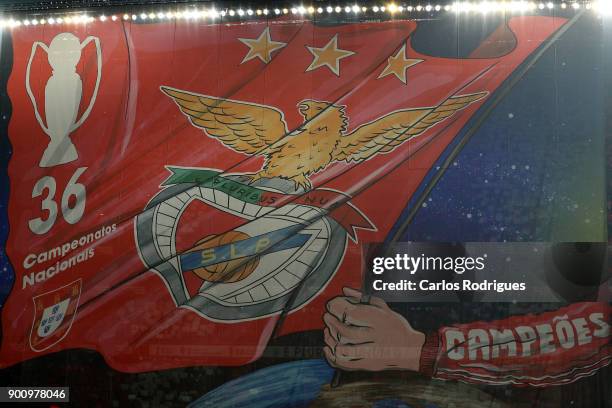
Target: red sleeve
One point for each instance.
(551, 348)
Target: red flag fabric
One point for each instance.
(177, 186)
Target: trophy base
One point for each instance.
(58, 153)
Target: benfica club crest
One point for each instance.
(53, 315)
(292, 237)
(287, 240)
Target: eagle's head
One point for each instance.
(313, 110)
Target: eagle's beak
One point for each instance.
(303, 108)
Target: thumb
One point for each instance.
(357, 295)
(352, 293)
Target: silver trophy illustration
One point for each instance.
(63, 94)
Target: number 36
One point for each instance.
(72, 215)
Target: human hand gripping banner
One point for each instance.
(178, 187)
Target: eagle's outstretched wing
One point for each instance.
(243, 126)
(387, 132)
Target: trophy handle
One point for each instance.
(29, 89)
(96, 41)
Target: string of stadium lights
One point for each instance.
(193, 13)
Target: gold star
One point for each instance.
(398, 64)
(262, 47)
(328, 56)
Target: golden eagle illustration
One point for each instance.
(321, 140)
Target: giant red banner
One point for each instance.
(182, 191)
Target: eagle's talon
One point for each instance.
(301, 181)
(256, 176)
